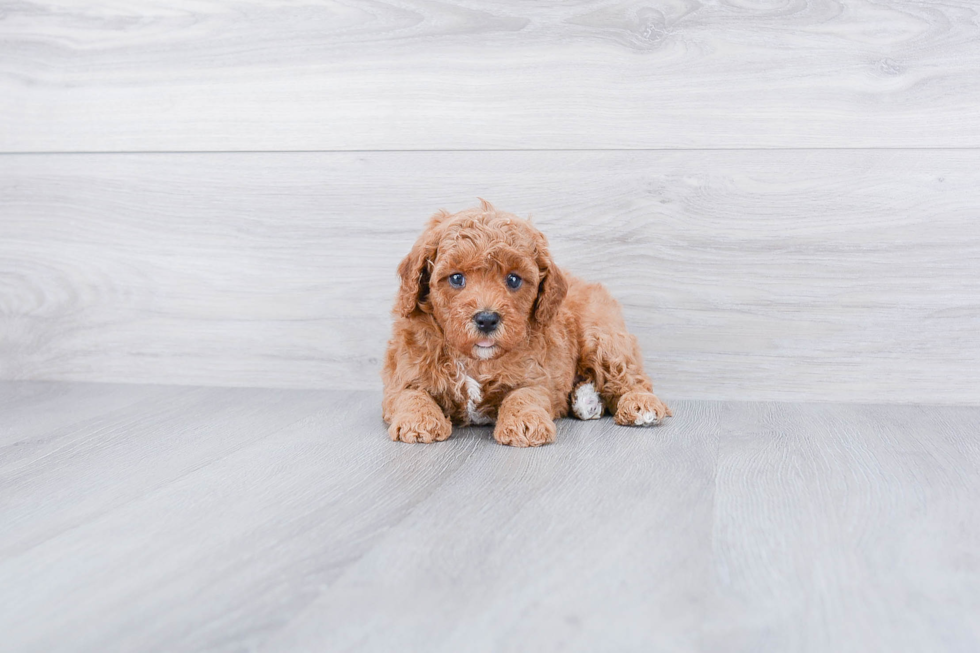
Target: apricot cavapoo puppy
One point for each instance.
(489, 330)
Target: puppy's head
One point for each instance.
(485, 276)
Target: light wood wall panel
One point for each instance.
(829, 275)
(482, 74)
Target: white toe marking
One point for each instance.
(586, 403)
(474, 394)
(646, 419)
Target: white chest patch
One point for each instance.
(474, 395)
(586, 403)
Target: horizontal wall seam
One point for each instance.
(477, 151)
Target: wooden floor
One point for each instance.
(177, 518)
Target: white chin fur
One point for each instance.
(483, 353)
(586, 403)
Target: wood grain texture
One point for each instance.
(187, 519)
(832, 275)
(832, 523)
(483, 74)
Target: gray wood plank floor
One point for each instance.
(483, 74)
(179, 518)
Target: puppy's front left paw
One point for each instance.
(640, 408)
(525, 429)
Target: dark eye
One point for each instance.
(513, 281)
(457, 280)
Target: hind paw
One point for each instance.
(640, 408)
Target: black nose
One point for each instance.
(486, 321)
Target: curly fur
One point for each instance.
(557, 334)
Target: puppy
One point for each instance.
(488, 330)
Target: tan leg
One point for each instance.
(414, 416)
(612, 361)
(525, 419)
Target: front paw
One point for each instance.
(425, 427)
(525, 429)
(640, 408)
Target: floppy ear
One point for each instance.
(551, 289)
(414, 272)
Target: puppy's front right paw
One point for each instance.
(424, 427)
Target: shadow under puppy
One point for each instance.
(488, 330)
